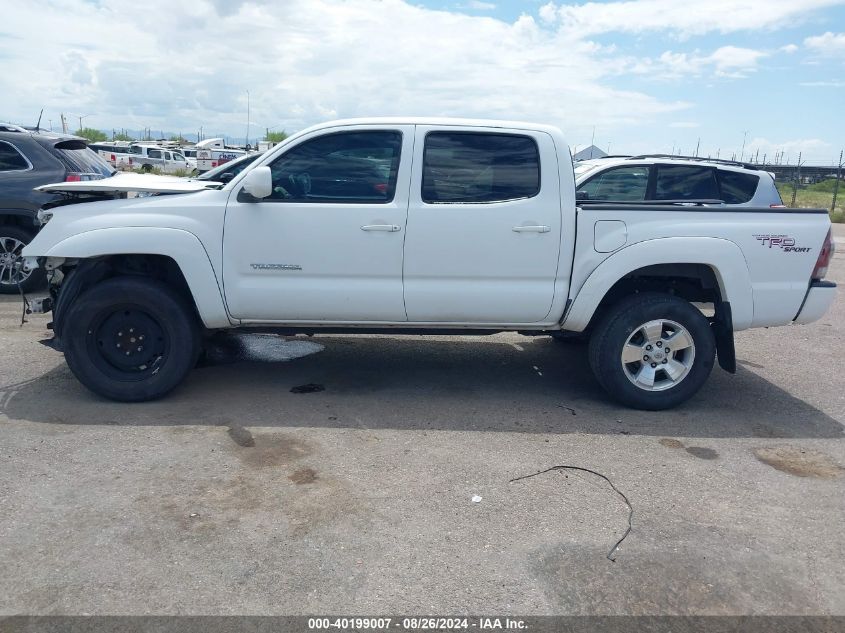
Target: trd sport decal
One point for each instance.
(784, 242)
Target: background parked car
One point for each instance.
(660, 178)
(227, 171)
(115, 154)
(27, 160)
(150, 156)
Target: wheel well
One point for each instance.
(88, 272)
(697, 283)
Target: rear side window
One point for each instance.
(11, 159)
(154, 153)
(626, 184)
(737, 187)
(78, 158)
(479, 167)
(686, 182)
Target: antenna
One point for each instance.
(38, 125)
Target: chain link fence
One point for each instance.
(812, 186)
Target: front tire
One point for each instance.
(652, 351)
(130, 339)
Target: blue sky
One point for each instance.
(648, 75)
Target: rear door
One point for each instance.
(484, 226)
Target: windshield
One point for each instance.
(233, 167)
(583, 168)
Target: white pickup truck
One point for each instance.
(420, 225)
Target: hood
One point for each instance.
(130, 182)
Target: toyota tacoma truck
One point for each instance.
(424, 226)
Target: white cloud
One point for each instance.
(735, 61)
(789, 48)
(304, 61)
(827, 45)
(727, 61)
(692, 17)
(834, 83)
(477, 5)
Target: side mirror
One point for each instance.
(258, 182)
(225, 177)
(582, 195)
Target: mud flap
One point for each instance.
(723, 332)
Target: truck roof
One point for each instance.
(440, 121)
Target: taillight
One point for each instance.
(214, 163)
(72, 177)
(825, 255)
(381, 187)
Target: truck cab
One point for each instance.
(423, 225)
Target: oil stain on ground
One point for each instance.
(800, 462)
(241, 436)
(303, 476)
(696, 451)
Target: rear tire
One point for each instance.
(12, 240)
(130, 339)
(628, 351)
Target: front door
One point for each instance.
(326, 245)
(484, 227)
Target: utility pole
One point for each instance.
(697, 144)
(742, 153)
(836, 184)
(756, 155)
(592, 141)
(246, 141)
(796, 182)
(64, 124)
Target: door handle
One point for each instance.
(532, 229)
(390, 228)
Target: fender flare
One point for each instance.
(724, 257)
(182, 246)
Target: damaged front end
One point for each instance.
(65, 280)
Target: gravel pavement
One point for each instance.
(236, 495)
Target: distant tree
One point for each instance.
(276, 137)
(95, 136)
(178, 138)
(122, 136)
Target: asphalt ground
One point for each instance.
(237, 495)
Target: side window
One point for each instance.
(345, 167)
(153, 153)
(167, 156)
(686, 182)
(737, 187)
(626, 184)
(11, 159)
(479, 167)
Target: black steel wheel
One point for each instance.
(130, 338)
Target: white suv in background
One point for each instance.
(169, 161)
(660, 177)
